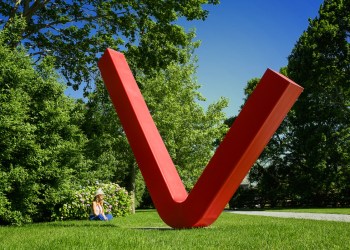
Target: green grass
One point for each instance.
(145, 230)
(314, 210)
(345, 211)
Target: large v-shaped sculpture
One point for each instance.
(262, 114)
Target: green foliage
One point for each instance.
(248, 90)
(188, 132)
(12, 34)
(79, 201)
(41, 146)
(307, 161)
(76, 32)
(321, 122)
(107, 148)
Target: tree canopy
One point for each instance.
(76, 32)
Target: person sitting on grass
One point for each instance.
(97, 212)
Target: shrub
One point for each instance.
(78, 204)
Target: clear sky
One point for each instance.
(241, 39)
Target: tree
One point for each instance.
(267, 172)
(76, 32)
(307, 161)
(189, 133)
(41, 145)
(107, 147)
(320, 61)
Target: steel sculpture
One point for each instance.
(257, 122)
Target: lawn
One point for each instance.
(145, 230)
(315, 210)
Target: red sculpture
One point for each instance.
(259, 119)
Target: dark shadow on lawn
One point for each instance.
(169, 228)
(145, 210)
(87, 224)
(154, 228)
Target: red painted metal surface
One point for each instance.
(257, 122)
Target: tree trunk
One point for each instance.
(132, 185)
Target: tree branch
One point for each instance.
(26, 6)
(38, 27)
(13, 12)
(36, 6)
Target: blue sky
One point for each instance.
(241, 39)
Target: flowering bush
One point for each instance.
(78, 205)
